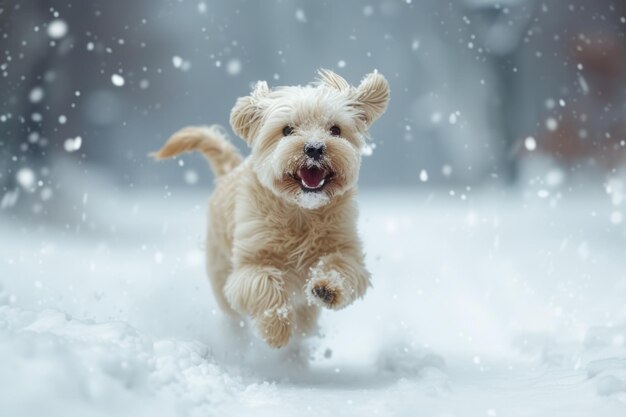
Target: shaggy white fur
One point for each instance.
(282, 236)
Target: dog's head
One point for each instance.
(306, 141)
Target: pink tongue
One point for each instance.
(312, 177)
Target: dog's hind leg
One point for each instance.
(260, 292)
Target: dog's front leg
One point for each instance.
(337, 280)
(260, 292)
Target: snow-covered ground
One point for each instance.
(502, 304)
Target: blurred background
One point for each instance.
(478, 86)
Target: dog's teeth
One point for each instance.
(304, 184)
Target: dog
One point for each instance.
(282, 238)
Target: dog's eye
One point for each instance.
(335, 130)
(287, 130)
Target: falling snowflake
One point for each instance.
(36, 95)
(26, 178)
(300, 16)
(530, 143)
(117, 80)
(191, 177)
(57, 29)
(233, 67)
(181, 63)
(73, 144)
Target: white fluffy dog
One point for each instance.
(282, 237)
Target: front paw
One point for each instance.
(326, 294)
(325, 288)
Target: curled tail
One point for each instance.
(209, 140)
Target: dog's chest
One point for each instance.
(303, 240)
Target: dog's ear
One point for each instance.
(333, 80)
(246, 116)
(372, 96)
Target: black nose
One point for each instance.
(314, 150)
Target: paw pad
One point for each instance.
(325, 287)
(324, 293)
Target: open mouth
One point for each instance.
(312, 178)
